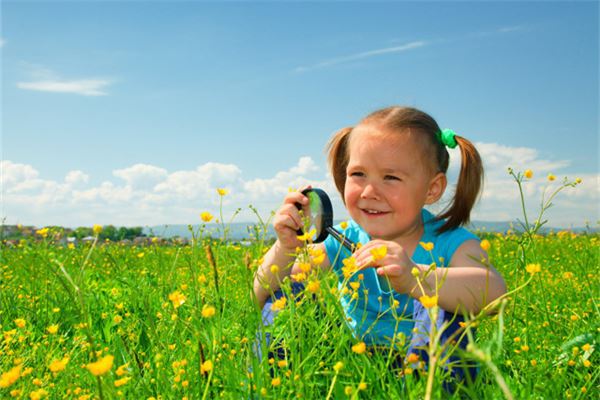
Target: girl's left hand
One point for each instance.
(390, 259)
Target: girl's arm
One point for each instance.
(469, 283)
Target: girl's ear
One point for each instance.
(437, 186)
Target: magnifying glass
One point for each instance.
(318, 218)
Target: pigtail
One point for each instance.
(337, 157)
(468, 187)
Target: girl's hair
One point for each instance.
(399, 119)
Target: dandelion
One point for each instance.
(102, 366)
(308, 235)
(429, 301)
(379, 253)
(58, 365)
(177, 298)
(10, 377)
(551, 177)
(222, 192)
(533, 268)
(528, 174)
(485, 245)
(206, 216)
(359, 348)
(427, 246)
(206, 366)
(208, 311)
(97, 229)
(20, 323)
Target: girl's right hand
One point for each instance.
(287, 220)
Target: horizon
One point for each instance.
(133, 114)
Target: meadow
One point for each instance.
(172, 321)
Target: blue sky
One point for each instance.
(133, 113)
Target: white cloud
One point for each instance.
(85, 87)
(144, 194)
(362, 55)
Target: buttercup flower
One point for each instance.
(208, 311)
(206, 366)
(52, 329)
(58, 365)
(533, 268)
(206, 216)
(428, 301)
(102, 366)
(551, 177)
(10, 377)
(20, 323)
(379, 253)
(222, 192)
(528, 174)
(97, 229)
(427, 246)
(177, 298)
(359, 348)
(308, 235)
(485, 244)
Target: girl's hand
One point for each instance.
(287, 220)
(390, 259)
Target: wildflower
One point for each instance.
(485, 244)
(278, 304)
(10, 377)
(177, 298)
(338, 366)
(578, 181)
(412, 358)
(528, 174)
(362, 386)
(574, 317)
(97, 229)
(318, 256)
(533, 363)
(101, 366)
(38, 394)
(307, 235)
(587, 363)
(299, 277)
(42, 232)
(359, 348)
(533, 268)
(348, 390)
(122, 381)
(551, 177)
(586, 347)
(122, 370)
(275, 382)
(222, 192)
(344, 225)
(354, 285)
(208, 311)
(349, 266)
(117, 319)
(206, 216)
(20, 323)
(206, 366)
(304, 267)
(428, 301)
(274, 269)
(379, 253)
(415, 272)
(58, 365)
(202, 279)
(313, 286)
(427, 246)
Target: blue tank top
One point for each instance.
(376, 316)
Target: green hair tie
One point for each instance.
(447, 137)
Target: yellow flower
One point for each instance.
(274, 269)
(222, 192)
(379, 253)
(485, 245)
(20, 323)
(412, 358)
(313, 286)
(304, 267)
(122, 381)
(206, 366)
(102, 366)
(551, 177)
(43, 232)
(58, 365)
(276, 382)
(338, 366)
(362, 386)
(208, 311)
(348, 390)
(533, 268)
(97, 229)
(308, 235)
(578, 181)
(428, 301)
(528, 174)
(38, 394)
(10, 377)
(359, 348)
(427, 246)
(586, 347)
(318, 256)
(122, 370)
(278, 304)
(177, 298)
(349, 266)
(206, 216)
(117, 319)
(344, 225)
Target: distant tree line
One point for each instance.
(113, 233)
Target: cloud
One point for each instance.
(84, 87)
(146, 195)
(362, 55)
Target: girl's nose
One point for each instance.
(369, 192)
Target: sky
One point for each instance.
(134, 113)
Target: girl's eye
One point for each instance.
(356, 173)
(391, 178)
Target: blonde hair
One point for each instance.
(400, 119)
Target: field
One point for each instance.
(171, 321)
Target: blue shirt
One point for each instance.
(375, 315)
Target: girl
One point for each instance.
(387, 168)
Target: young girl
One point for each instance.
(387, 168)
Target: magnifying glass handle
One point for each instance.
(347, 243)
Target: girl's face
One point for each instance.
(388, 181)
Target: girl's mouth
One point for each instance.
(373, 213)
